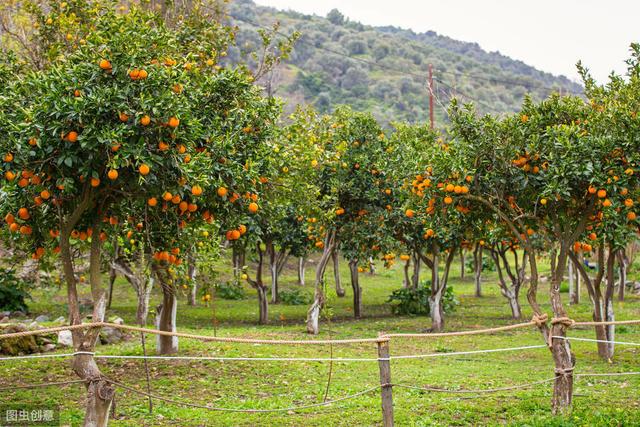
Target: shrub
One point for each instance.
(294, 297)
(410, 301)
(13, 292)
(230, 291)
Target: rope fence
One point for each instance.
(384, 360)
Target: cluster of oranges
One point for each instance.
(236, 233)
(168, 257)
(529, 163)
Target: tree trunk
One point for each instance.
(263, 305)
(112, 279)
(192, 297)
(273, 271)
(437, 313)
(462, 261)
(100, 393)
(477, 269)
(143, 295)
(313, 314)
(623, 263)
(335, 256)
(357, 290)
(166, 319)
(372, 266)
(301, 267)
(415, 277)
(406, 281)
(560, 347)
(572, 282)
(514, 304)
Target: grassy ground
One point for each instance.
(598, 401)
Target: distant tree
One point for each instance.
(381, 50)
(335, 17)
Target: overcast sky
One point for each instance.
(551, 35)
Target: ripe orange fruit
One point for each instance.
(530, 232)
(14, 226)
(606, 203)
(8, 157)
(144, 169)
(115, 147)
(196, 190)
(339, 211)
(543, 202)
(105, 64)
(123, 117)
(166, 196)
(320, 244)
(602, 194)
(175, 199)
(233, 235)
(173, 122)
(177, 88)
(429, 233)
(593, 236)
(23, 214)
(9, 218)
(145, 120)
(182, 149)
(222, 191)
(628, 203)
(409, 213)
(45, 194)
(183, 206)
(26, 230)
(163, 146)
(449, 188)
(72, 136)
(448, 200)
(192, 207)
(10, 176)
(23, 182)
(242, 228)
(112, 174)
(592, 189)
(631, 216)
(253, 207)
(33, 142)
(95, 182)
(76, 93)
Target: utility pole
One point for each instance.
(431, 118)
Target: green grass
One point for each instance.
(598, 401)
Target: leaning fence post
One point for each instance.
(386, 393)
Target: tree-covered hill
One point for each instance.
(384, 69)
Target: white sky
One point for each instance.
(551, 35)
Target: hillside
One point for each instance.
(384, 69)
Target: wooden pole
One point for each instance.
(386, 392)
(431, 112)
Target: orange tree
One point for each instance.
(408, 151)
(446, 222)
(120, 118)
(350, 179)
(613, 127)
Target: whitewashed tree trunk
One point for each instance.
(335, 256)
(313, 314)
(302, 261)
(192, 298)
(477, 269)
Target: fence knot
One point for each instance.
(565, 321)
(540, 319)
(565, 372)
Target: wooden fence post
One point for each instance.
(386, 393)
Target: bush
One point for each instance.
(410, 301)
(294, 297)
(13, 292)
(230, 290)
(487, 263)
